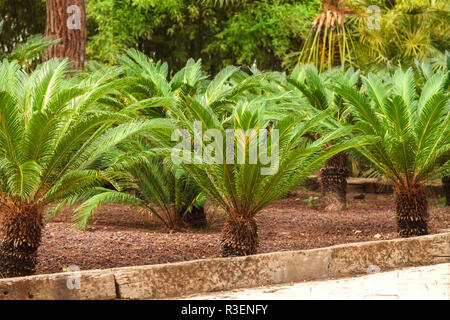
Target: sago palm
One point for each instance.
(150, 88)
(316, 88)
(414, 133)
(49, 142)
(149, 93)
(143, 180)
(247, 168)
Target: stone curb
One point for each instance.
(219, 274)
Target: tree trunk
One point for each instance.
(196, 218)
(66, 20)
(240, 237)
(412, 212)
(333, 178)
(21, 228)
(446, 187)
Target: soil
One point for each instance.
(118, 236)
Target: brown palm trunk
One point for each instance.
(446, 187)
(412, 212)
(66, 20)
(333, 178)
(196, 218)
(240, 237)
(21, 229)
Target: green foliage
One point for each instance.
(139, 177)
(21, 19)
(345, 34)
(28, 52)
(316, 88)
(169, 30)
(148, 182)
(174, 31)
(242, 190)
(409, 29)
(412, 124)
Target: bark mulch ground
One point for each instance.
(119, 236)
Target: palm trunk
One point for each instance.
(196, 218)
(240, 237)
(21, 230)
(333, 178)
(412, 212)
(446, 187)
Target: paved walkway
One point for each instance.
(429, 282)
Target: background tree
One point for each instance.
(66, 20)
(153, 184)
(408, 30)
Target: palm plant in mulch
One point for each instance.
(242, 182)
(414, 130)
(316, 88)
(139, 178)
(50, 139)
(142, 179)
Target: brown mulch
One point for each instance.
(119, 237)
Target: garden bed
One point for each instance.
(119, 236)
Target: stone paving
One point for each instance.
(427, 282)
